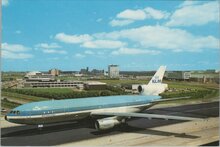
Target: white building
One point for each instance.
(113, 71)
(54, 72)
(38, 76)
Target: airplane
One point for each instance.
(105, 111)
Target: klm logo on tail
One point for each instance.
(156, 80)
(158, 76)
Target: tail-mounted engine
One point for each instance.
(141, 88)
(152, 89)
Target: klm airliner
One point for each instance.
(106, 111)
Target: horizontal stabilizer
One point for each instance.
(143, 115)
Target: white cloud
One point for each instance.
(52, 51)
(89, 52)
(74, 39)
(129, 16)
(161, 37)
(48, 46)
(132, 14)
(188, 3)
(14, 47)
(15, 51)
(18, 32)
(134, 51)
(116, 22)
(78, 55)
(152, 37)
(14, 55)
(156, 14)
(86, 41)
(103, 44)
(191, 13)
(5, 2)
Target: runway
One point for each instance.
(67, 133)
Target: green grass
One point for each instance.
(198, 92)
(213, 96)
(17, 96)
(65, 93)
(195, 90)
(50, 90)
(184, 84)
(192, 89)
(8, 104)
(16, 99)
(68, 78)
(12, 76)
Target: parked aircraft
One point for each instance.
(106, 111)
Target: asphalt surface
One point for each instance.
(57, 134)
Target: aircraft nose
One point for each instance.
(5, 117)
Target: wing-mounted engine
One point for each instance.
(104, 124)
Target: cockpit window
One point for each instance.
(15, 112)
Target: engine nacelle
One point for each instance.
(141, 88)
(104, 124)
(152, 89)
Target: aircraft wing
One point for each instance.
(143, 115)
(171, 99)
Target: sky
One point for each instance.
(137, 35)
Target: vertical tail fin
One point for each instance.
(158, 76)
